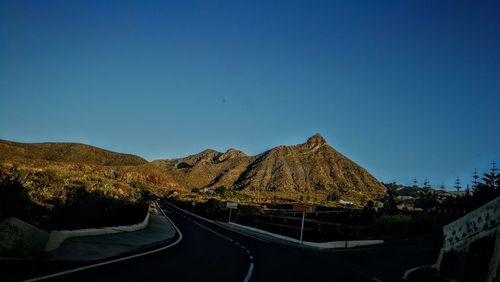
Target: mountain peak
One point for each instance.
(230, 154)
(316, 139)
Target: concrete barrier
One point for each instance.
(19, 238)
(56, 238)
(323, 245)
(471, 246)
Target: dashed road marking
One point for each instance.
(250, 269)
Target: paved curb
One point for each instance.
(123, 257)
(323, 245)
(57, 237)
(305, 244)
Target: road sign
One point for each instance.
(231, 207)
(304, 208)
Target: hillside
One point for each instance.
(65, 153)
(313, 168)
(208, 168)
(45, 183)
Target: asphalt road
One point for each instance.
(209, 252)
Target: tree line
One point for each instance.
(484, 188)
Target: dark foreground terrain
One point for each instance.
(208, 252)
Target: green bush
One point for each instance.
(394, 218)
(13, 195)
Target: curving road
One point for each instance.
(209, 252)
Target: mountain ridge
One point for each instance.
(65, 152)
(310, 167)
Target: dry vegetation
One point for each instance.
(310, 172)
(55, 178)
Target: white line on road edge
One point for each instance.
(249, 273)
(188, 212)
(376, 279)
(405, 276)
(215, 232)
(250, 269)
(216, 223)
(111, 261)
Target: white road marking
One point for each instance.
(110, 261)
(376, 279)
(250, 269)
(218, 224)
(405, 275)
(242, 233)
(249, 273)
(213, 231)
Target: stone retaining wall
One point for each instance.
(471, 246)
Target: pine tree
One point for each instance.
(458, 186)
(427, 184)
(491, 178)
(475, 178)
(475, 181)
(488, 188)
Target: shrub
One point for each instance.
(394, 218)
(221, 190)
(13, 195)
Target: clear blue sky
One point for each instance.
(405, 88)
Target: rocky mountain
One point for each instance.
(312, 170)
(208, 168)
(313, 167)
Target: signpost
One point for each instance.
(303, 209)
(231, 206)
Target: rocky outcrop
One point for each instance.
(305, 168)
